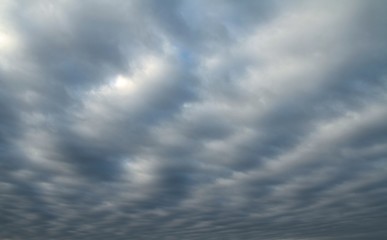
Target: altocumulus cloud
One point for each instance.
(193, 120)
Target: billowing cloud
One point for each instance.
(193, 120)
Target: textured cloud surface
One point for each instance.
(193, 120)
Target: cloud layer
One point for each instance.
(193, 120)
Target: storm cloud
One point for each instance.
(193, 119)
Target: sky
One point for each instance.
(193, 119)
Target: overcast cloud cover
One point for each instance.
(193, 119)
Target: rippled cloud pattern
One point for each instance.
(193, 119)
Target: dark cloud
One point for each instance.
(193, 119)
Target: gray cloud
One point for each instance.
(193, 119)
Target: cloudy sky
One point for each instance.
(193, 119)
